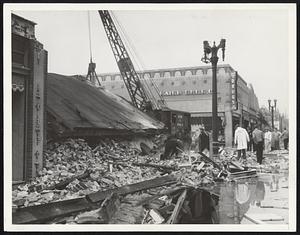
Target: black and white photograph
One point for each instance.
(149, 117)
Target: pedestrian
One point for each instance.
(258, 139)
(285, 138)
(250, 145)
(241, 139)
(275, 139)
(268, 138)
(203, 139)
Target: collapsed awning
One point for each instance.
(17, 87)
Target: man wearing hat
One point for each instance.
(203, 139)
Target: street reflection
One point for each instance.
(238, 197)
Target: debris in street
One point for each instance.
(78, 183)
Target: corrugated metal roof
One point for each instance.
(80, 105)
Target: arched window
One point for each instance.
(167, 74)
(156, 75)
(146, 75)
(108, 78)
(177, 74)
(103, 79)
(199, 72)
(188, 73)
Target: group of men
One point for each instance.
(257, 140)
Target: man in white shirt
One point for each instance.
(241, 139)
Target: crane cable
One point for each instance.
(90, 36)
(134, 53)
(126, 41)
(140, 63)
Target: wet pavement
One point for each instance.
(257, 200)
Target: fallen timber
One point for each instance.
(45, 212)
(62, 184)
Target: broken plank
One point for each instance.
(42, 213)
(175, 213)
(155, 166)
(209, 160)
(235, 164)
(167, 208)
(109, 206)
(165, 192)
(132, 188)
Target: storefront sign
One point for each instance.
(185, 92)
(234, 93)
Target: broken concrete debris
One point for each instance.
(74, 170)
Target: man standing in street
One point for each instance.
(268, 138)
(250, 145)
(275, 139)
(203, 139)
(258, 139)
(285, 138)
(241, 139)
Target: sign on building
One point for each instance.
(234, 93)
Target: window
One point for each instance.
(177, 74)
(156, 75)
(204, 81)
(199, 72)
(167, 74)
(113, 78)
(103, 79)
(188, 73)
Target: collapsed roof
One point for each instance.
(81, 109)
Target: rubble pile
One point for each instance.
(73, 169)
(108, 165)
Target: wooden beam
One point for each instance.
(45, 212)
(178, 206)
(132, 188)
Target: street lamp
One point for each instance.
(213, 50)
(272, 108)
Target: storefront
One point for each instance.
(29, 71)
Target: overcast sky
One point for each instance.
(256, 42)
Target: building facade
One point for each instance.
(189, 89)
(29, 71)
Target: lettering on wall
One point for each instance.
(185, 92)
(234, 99)
(24, 29)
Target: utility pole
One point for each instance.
(272, 108)
(213, 50)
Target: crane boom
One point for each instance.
(131, 79)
